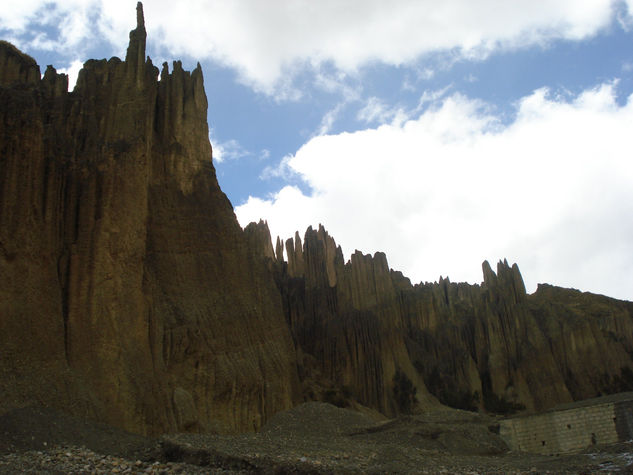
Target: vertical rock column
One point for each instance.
(127, 292)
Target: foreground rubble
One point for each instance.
(311, 438)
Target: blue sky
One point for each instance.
(440, 133)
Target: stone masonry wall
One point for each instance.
(624, 420)
(565, 430)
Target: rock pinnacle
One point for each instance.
(140, 20)
(135, 56)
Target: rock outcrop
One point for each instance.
(359, 327)
(345, 322)
(127, 289)
(514, 350)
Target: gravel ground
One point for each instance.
(311, 438)
(65, 460)
(320, 438)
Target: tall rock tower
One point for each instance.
(126, 289)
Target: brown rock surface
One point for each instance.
(483, 340)
(346, 324)
(537, 350)
(127, 291)
(591, 337)
(488, 346)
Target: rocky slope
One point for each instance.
(127, 291)
(372, 336)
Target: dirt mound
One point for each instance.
(317, 418)
(456, 432)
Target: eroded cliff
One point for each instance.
(127, 290)
(129, 293)
(361, 329)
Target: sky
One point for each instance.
(441, 133)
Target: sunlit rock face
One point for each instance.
(127, 289)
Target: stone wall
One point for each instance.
(623, 418)
(572, 427)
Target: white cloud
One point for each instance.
(17, 14)
(228, 150)
(233, 150)
(552, 191)
(328, 119)
(425, 74)
(43, 42)
(431, 96)
(375, 110)
(73, 73)
(291, 201)
(280, 170)
(338, 82)
(71, 18)
(267, 42)
(625, 14)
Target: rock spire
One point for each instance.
(489, 347)
(128, 293)
(135, 56)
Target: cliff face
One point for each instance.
(517, 350)
(127, 288)
(480, 345)
(359, 327)
(346, 323)
(591, 337)
(130, 294)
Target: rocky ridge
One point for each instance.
(361, 327)
(127, 291)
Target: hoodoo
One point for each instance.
(127, 293)
(366, 331)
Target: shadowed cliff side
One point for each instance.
(127, 293)
(480, 346)
(346, 323)
(493, 346)
(488, 346)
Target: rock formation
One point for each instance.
(127, 291)
(521, 350)
(346, 323)
(359, 326)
